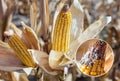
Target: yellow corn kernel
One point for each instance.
(83, 68)
(61, 33)
(102, 70)
(89, 68)
(98, 68)
(21, 50)
(100, 62)
(87, 72)
(93, 73)
(98, 72)
(94, 68)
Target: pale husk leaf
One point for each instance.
(57, 59)
(77, 20)
(91, 32)
(20, 76)
(15, 29)
(41, 58)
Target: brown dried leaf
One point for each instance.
(4, 45)
(7, 76)
(86, 19)
(30, 37)
(39, 29)
(44, 9)
(9, 61)
(33, 15)
(3, 8)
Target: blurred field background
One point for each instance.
(17, 11)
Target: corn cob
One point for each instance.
(92, 63)
(21, 50)
(61, 35)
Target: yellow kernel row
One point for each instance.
(93, 70)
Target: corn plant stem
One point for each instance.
(1, 16)
(5, 18)
(44, 20)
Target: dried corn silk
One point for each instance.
(92, 63)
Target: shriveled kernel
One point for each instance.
(94, 57)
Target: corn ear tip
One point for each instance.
(65, 8)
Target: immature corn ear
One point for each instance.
(93, 62)
(61, 33)
(21, 50)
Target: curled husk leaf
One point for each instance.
(41, 58)
(57, 59)
(77, 20)
(30, 38)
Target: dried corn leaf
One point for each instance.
(9, 61)
(44, 9)
(41, 58)
(7, 76)
(39, 29)
(30, 37)
(77, 20)
(33, 15)
(92, 31)
(4, 45)
(57, 59)
(86, 19)
(15, 29)
(20, 76)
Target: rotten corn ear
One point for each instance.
(21, 50)
(61, 33)
(92, 63)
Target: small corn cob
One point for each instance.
(21, 50)
(92, 63)
(61, 35)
